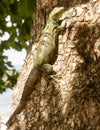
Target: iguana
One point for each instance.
(42, 51)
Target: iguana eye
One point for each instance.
(59, 22)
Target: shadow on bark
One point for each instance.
(83, 107)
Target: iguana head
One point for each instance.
(56, 13)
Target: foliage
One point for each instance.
(15, 20)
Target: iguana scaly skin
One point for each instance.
(43, 52)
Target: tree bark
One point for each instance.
(71, 100)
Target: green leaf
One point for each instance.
(9, 64)
(13, 6)
(12, 1)
(20, 13)
(25, 8)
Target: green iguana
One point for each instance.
(42, 51)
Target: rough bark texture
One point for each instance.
(72, 100)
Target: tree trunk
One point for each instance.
(71, 100)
